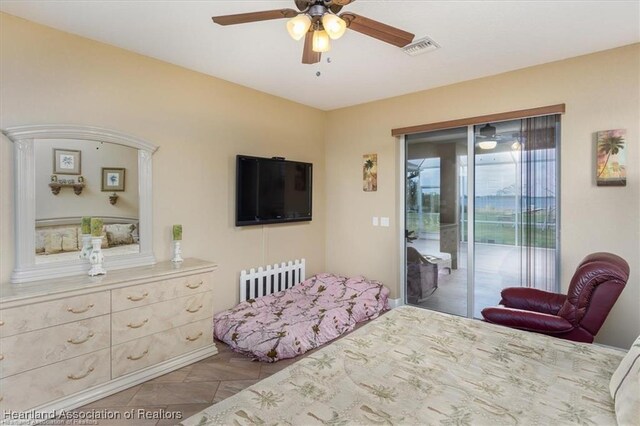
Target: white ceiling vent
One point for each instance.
(420, 46)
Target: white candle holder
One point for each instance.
(96, 257)
(86, 246)
(177, 252)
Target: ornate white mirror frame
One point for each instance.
(24, 138)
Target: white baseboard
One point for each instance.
(394, 303)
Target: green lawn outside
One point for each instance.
(502, 232)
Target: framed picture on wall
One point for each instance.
(611, 168)
(370, 172)
(66, 161)
(112, 179)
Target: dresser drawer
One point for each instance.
(45, 384)
(135, 323)
(43, 347)
(47, 314)
(159, 347)
(159, 291)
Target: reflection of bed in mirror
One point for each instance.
(60, 239)
(65, 172)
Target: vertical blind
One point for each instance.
(539, 207)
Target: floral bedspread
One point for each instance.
(417, 367)
(291, 322)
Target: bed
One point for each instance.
(291, 322)
(60, 239)
(414, 366)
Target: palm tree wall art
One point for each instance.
(611, 158)
(370, 172)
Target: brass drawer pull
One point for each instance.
(131, 325)
(193, 311)
(79, 342)
(137, 299)
(72, 377)
(193, 339)
(81, 311)
(194, 286)
(135, 358)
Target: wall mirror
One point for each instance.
(64, 173)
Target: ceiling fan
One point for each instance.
(318, 22)
(488, 138)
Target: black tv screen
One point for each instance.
(272, 190)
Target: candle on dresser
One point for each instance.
(85, 229)
(86, 225)
(177, 232)
(96, 227)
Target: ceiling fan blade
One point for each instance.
(243, 18)
(302, 4)
(342, 2)
(378, 30)
(336, 5)
(308, 55)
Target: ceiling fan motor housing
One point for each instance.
(317, 11)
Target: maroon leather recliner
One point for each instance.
(578, 316)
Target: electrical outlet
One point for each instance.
(384, 221)
(374, 221)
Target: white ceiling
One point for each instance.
(477, 38)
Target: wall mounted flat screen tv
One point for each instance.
(272, 190)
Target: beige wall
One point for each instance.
(92, 202)
(601, 91)
(200, 124)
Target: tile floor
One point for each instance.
(496, 267)
(187, 390)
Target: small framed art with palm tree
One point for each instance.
(611, 169)
(370, 172)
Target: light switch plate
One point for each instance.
(374, 221)
(384, 221)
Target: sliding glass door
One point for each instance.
(504, 201)
(436, 192)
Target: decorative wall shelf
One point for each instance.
(56, 187)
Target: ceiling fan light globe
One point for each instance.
(298, 26)
(487, 144)
(334, 25)
(320, 41)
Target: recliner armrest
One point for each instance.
(527, 320)
(532, 299)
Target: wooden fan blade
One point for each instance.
(308, 55)
(243, 18)
(336, 5)
(378, 30)
(302, 4)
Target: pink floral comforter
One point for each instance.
(291, 322)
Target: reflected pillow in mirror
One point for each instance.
(120, 234)
(69, 239)
(52, 242)
(40, 241)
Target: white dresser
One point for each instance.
(70, 341)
